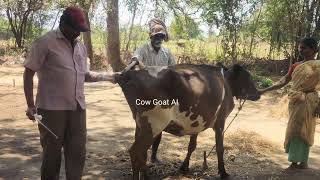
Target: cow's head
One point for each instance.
(241, 83)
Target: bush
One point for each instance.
(262, 82)
(266, 82)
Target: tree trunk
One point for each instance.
(255, 25)
(310, 17)
(87, 40)
(113, 47)
(18, 26)
(130, 31)
(14, 30)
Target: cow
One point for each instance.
(183, 99)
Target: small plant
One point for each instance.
(266, 82)
(262, 82)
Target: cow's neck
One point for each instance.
(227, 76)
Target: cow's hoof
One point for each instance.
(184, 168)
(144, 176)
(224, 175)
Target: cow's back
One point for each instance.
(199, 90)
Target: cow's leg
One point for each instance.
(135, 165)
(192, 146)
(155, 146)
(220, 149)
(138, 150)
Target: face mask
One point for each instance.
(157, 40)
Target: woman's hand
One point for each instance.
(262, 91)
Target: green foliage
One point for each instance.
(184, 27)
(284, 22)
(262, 82)
(133, 4)
(196, 48)
(272, 28)
(266, 82)
(36, 26)
(140, 35)
(5, 32)
(4, 24)
(228, 16)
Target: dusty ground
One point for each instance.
(253, 142)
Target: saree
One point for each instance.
(303, 100)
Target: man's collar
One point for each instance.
(152, 49)
(60, 35)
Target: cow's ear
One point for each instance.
(236, 68)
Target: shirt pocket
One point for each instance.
(81, 63)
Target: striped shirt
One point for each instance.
(150, 57)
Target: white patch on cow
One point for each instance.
(219, 106)
(223, 94)
(160, 118)
(218, 109)
(154, 70)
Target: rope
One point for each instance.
(239, 109)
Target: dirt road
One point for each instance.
(253, 142)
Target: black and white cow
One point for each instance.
(183, 100)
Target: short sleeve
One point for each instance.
(138, 53)
(172, 60)
(87, 59)
(292, 67)
(37, 55)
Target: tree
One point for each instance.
(184, 27)
(285, 22)
(133, 7)
(18, 13)
(228, 15)
(85, 5)
(113, 40)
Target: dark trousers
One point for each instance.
(70, 127)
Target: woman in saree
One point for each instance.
(303, 101)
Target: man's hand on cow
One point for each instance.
(110, 76)
(30, 112)
(138, 63)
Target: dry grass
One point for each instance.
(246, 156)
